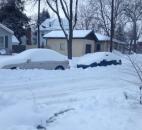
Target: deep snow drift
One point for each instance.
(95, 98)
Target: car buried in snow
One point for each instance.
(36, 59)
(98, 59)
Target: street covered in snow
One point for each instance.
(74, 99)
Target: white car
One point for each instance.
(36, 58)
(98, 59)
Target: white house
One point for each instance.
(7, 38)
(50, 24)
(84, 41)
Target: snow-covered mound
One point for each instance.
(97, 57)
(33, 55)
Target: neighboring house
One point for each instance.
(50, 24)
(7, 38)
(84, 41)
(103, 44)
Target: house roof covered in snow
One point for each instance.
(81, 34)
(76, 34)
(51, 24)
(15, 41)
(5, 28)
(103, 38)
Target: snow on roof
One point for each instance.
(80, 34)
(53, 24)
(7, 29)
(101, 37)
(60, 34)
(15, 41)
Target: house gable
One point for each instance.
(4, 28)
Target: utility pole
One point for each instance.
(112, 26)
(38, 26)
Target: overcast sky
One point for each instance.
(31, 8)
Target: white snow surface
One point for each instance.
(98, 57)
(33, 55)
(95, 95)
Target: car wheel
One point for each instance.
(59, 68)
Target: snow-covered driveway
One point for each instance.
(29, 97)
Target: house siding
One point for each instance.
(104, 46)
(4, 33)
(78, 46)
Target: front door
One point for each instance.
(88, 48)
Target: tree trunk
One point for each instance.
(70, 41)
(112, 26)
(38, 24)
(135, 36)
(70, 31)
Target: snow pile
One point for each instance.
(97, 57)
(33, 55)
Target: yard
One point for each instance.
(74, 99)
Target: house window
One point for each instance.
(62, 46)
(2, 42)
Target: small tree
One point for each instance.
(69, 9)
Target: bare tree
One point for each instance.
(105, 14)
(69, 9)
(133, 11)
(87, 15)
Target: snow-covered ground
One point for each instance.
(94, 97)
